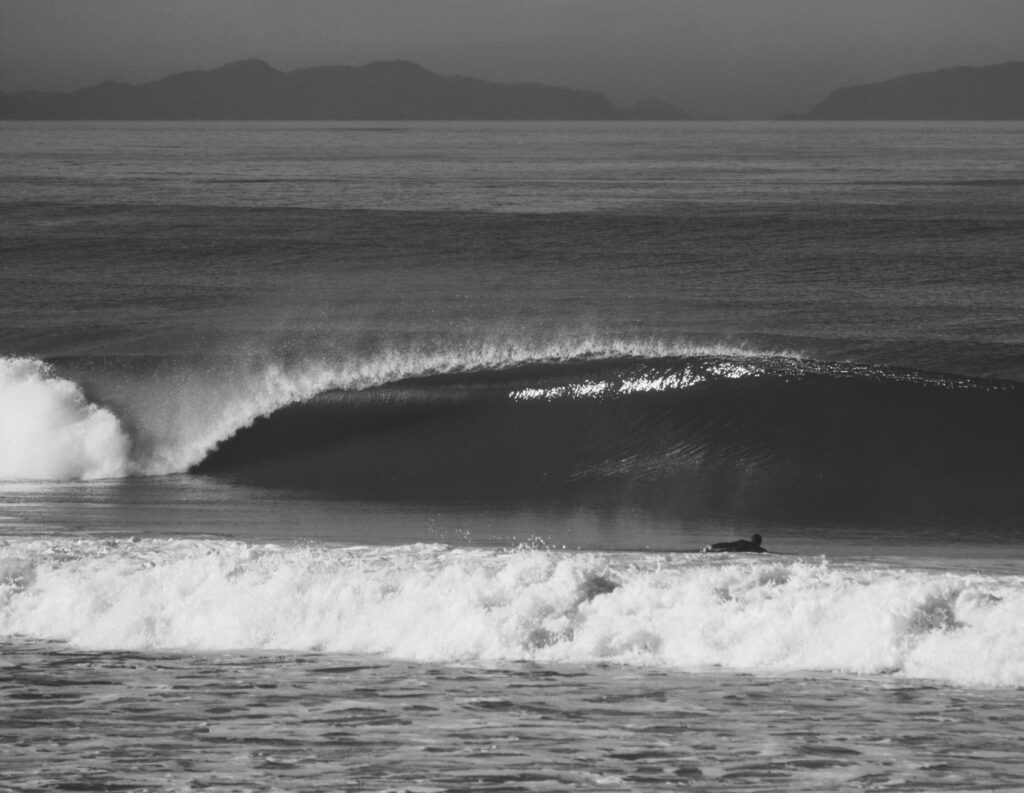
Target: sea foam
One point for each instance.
(49, 430)
(438, 604)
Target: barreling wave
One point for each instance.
(690, 431)
(167, 418)
(754, 436)
(432, 603)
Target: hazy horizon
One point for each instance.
(731, 58)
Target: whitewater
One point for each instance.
(433, 603)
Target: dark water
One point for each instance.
(320, 442)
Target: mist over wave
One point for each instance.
(432, 603)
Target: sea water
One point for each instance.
(380, 457)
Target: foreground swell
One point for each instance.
(429, 602)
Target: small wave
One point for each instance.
(432, 603)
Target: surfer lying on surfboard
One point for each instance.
(753, 545)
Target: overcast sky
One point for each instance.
(748, 58)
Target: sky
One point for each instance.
(712, 58)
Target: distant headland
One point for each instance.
(386, 90)
(253, 90)
(987, 93)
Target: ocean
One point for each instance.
(380, 457)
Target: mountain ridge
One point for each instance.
(959, 93)
(252, 89)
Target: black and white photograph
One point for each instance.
(520, 396)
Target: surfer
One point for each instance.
(753, 545)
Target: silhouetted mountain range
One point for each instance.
(388, 90)
(963, 93)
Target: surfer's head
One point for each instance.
(756, 540)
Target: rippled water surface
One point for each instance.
(127, 721)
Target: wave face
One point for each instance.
(765, 437)
(432, 603)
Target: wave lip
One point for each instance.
(433, 603)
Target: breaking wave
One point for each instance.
(166, 418)
(760, 437)
(683, 431)
(433, 603)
